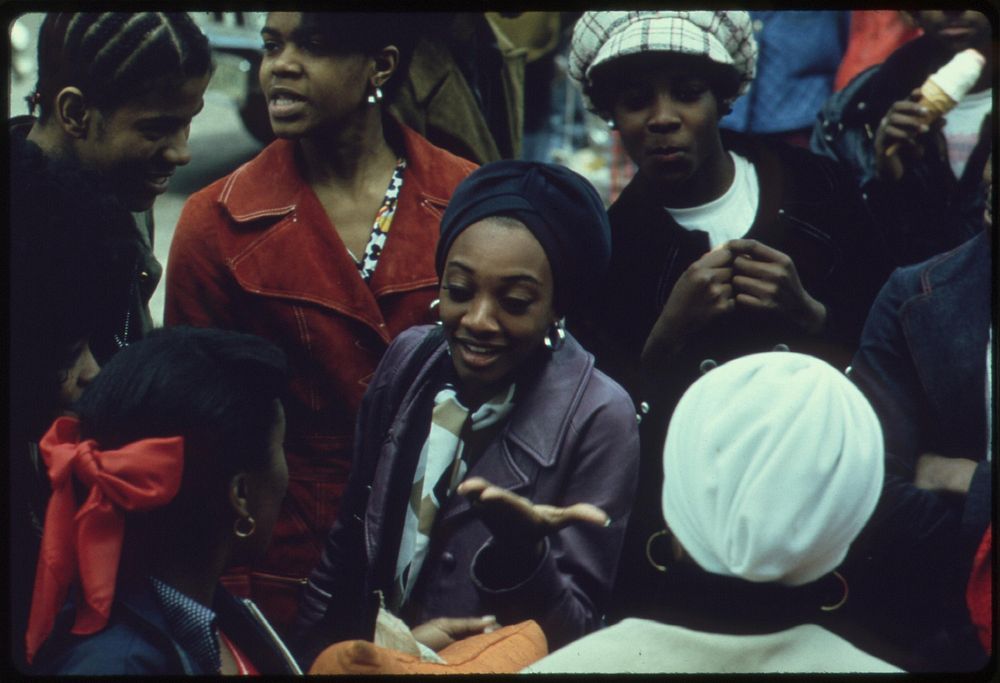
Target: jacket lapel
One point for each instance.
(290, 249)
(407, 262)
(536, 433)
(952, 311)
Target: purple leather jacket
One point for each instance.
(572, 437)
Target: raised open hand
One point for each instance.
(517, 522)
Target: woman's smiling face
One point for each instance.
(496, 303)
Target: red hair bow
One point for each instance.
(85, 544)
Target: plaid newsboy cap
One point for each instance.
(724, 37)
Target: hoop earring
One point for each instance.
(843, 599)
(376, 96)
(433, 308)
(556, 335)
(241, 533)
(649, 552)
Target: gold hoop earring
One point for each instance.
(243, 533)
(649, 552)
(843, 599)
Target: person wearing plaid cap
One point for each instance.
(722, 244)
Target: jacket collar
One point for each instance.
(539, 425)
(140, 599)
(637, 195)
(544, 404)
(276, 214)
(271, 184)
(251, 631)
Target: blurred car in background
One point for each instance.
(236, 48)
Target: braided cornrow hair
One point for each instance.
(116, 56)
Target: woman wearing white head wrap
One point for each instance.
(773, 464)
(724, 244)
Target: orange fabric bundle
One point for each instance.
(506, 650)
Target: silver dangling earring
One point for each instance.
(243, 533)
(556, 335)
(376, 96)
(433, 308)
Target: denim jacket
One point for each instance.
(922, 364)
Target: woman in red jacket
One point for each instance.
(324, 244)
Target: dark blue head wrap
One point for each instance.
(560, 208)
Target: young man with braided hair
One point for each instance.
(116, 93)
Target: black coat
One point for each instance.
(810, 210)
(929, 210)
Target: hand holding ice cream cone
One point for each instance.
(908, 119)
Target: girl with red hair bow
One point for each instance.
(173, 470)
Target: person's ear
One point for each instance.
(676, 549)
(725, 107)
(238, 495)
(385, 64)
(72, 112)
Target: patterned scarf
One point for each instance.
(440, 469)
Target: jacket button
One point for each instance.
(447, 560)
(143, 275)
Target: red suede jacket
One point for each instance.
(256, 252)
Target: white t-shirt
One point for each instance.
(731, 215)
(962, 127)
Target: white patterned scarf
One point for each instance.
(439, 471)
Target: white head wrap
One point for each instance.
(725, 37)
(772, 465)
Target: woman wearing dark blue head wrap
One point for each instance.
(502, 491)
(561, 209)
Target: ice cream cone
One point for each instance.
(945, 87)
(935, 100)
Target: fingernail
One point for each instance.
(607, 522)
